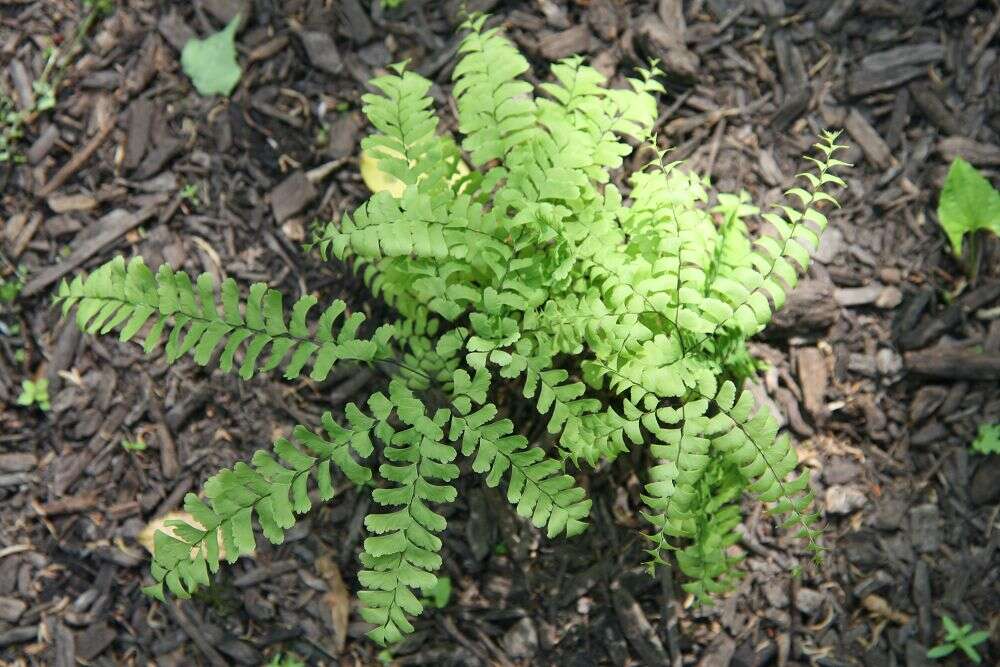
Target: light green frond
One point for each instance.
(273, 489)
(402, 553)
(194, 320)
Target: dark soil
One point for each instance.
(884, 365)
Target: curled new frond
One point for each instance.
(194, 320)
(273, 489)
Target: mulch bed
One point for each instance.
(884, 364)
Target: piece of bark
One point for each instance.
(23, 89)
(175, 30)
(898, 119)
(291, 196)
(558, 45)
(667, 43)
(603, 17)
(814, 380)
(80, 157)
(71, 203)
(140, 121)
(809, 308)
(156, 159)
(864, 82)
(71, 505)
(868, 138)
(113, 226)
(637, 628)
(18, 462)
(43, 144)
(65, 646)
(931, 105)
(976, 152)
(357, 24)
(901, 56)
(953, 365)
(322, 51)
(835, 15)
(793, 79)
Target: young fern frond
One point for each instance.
(623, 315)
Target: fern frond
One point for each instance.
(496, 111)
(126, 298)
(706, 561)
(539, 492)
(407, 145)
(402, 555)
(274, 488)
(756, 287)
(749, 439)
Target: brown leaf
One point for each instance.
(337, 599)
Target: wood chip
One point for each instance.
(291, 196)
(556, 46)
(337, 601)
(322, 51)
(871, 143)
(814, 380)
(977, 153)
(113, 226)
(933, 107)
(955, 365)
(71, 203)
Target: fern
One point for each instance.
(621, 316)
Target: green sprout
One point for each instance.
(959, 637)
(137, 445)
(35, 393)
(190, 193)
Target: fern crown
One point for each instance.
(622, 316)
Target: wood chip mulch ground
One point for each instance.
(884, 364)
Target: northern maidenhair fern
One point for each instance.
(622, 316)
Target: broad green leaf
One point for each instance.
(968, 203)
(211, 62)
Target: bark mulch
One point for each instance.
(884, 364)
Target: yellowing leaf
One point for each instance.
(211, 62)
(148, 534)
(379, 181)
(376, 179)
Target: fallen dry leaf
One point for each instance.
(338, 601)
(878, 606)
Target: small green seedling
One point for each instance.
(285, 660)
(190, 193)
(988, 439)
(35, 393)
(211, 62)
(9, 289)
(439, 594)
(137, 445)
(959, 637)
(968, 204)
